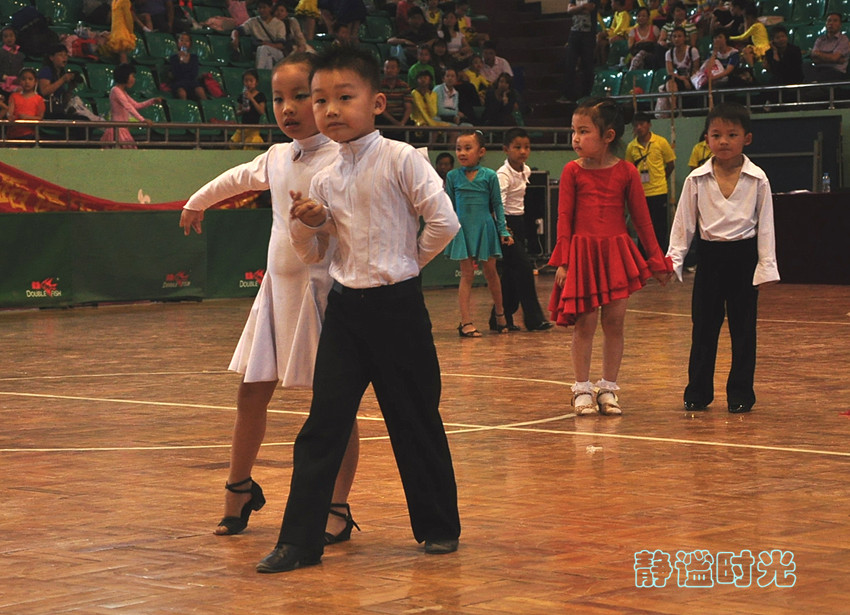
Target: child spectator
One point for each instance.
(440, 59)
(278, 344)
(24, 105)
(11, 61)
(517, 273)
(378, 189)
(185, 67)
(474, 191)
(726, 204)
(444, 163)
(250, 109)
(599, 266)
(423, 62)
(425, 111)
(307, 11)
(433, 14)
(475, 76)
(754, 36)
(619, 31)
(122, 39)
(122, 107)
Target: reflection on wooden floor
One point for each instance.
(116, 425)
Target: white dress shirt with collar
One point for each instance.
(747, 213)
(374, 194)
(512, 184)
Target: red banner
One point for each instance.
(24, 193)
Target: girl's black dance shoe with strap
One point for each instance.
(345, 534)
(235, 525)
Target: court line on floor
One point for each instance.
(454, 429)
(765, 320)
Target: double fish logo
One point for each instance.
(48, 287)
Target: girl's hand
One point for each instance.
(663, 277)
(191, 219)
(560, 276)
(307, 210)
(507, 241)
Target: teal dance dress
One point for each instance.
(478, 204)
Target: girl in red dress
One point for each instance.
(598, 264)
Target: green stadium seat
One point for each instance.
(206, 55)
(378, 28)
(804, 36)
(808, 11)
(373, 49)
(616, 50)
(781, 8)
(219, 109)
(64, 12)
(221, 48)
(155, 113)
(160, 46)
(99, 79)
(607, 82)
(183, 112)
(145, 86)
(231, 77)
(10, 7)
(641, 79)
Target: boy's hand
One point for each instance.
(508, 241)
(561, 276)
(307, 210)
(663, 277)
(191, 219)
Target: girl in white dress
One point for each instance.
(280, 338)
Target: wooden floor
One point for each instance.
(115, 436)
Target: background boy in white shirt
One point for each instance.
(728, 202)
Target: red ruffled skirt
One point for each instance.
(601, 270)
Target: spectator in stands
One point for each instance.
(433, 14)
(440, 59)
(581, 46)
(729, 18)
(351, 12)
(721, 65)
(643, 41)
(493, 65)
(831, 52)
(122, 39)
(621, 23)
(456, 43)
(401, 9)
(11, 61)
(237, 14)
(185, 69)
(475, 76)
(343, 37)
(464, 22)
(155, 15)
(267, 32)
(56, 84)
(250, 109)
(755, 39)
(448, 99)
(294, 40)
(469, 100)
(399, 100)
(680, 15)
(24, 105)
(308, 14)
(418, 33)
(682, 62)
(501, 102)
(97, 12)
(423, 62)
(425, 101)
(122, 107)
(783, 61)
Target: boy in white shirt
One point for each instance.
(728, 202)
(377, 329)
(517, 273)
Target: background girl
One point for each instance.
(250, 108)
(122, 106)
(25, 105)
(474, 191)
(598, 264)
(280, 338)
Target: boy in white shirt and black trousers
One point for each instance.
(517, 273)
(728, 202)
(377, 329)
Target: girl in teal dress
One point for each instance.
(474, 191)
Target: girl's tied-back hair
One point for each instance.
(479, 136)
(296, 57)
(606, 114)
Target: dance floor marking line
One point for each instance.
(458, 428)
(764, 320)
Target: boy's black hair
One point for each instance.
(415, 10)
(122, 72)
(479, 136)
(722, 33)
(641, 116)
(777, 29)
(393, 59)
(514, 133)
(442, 155)
(354, 59)
(606, 114)
(733, 112)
